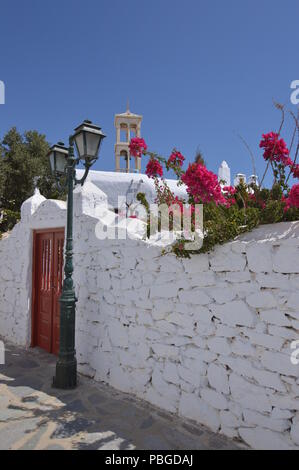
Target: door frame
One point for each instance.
(36, 232)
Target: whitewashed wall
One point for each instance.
(207, 338)
(16, 266)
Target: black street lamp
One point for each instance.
(87, 139)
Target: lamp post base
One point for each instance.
(66, 375)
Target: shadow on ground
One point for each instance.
(33, 415)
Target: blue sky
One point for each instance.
(198, 71)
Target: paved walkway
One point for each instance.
(33, 415)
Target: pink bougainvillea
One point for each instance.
(230, 190)
(293, 198)
(275, 149)
(137, 146)
(295, 171)
(256, 200)
(176, 159)
(203, 185)
(230, 202)
(153, 168)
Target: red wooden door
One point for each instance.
(57, 286)
(47, 284)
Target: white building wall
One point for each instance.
(128, 185)
(207, 338)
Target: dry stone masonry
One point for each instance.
(207, 338)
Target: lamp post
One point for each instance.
(87, 140)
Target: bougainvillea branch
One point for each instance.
(294, 170)
(280, 107)
(228, 211)
(250, 153)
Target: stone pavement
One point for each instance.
(33, 415)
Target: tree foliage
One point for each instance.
(23, 165)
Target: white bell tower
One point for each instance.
(127, 125)
(224, 173)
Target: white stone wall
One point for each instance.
(207, 338)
